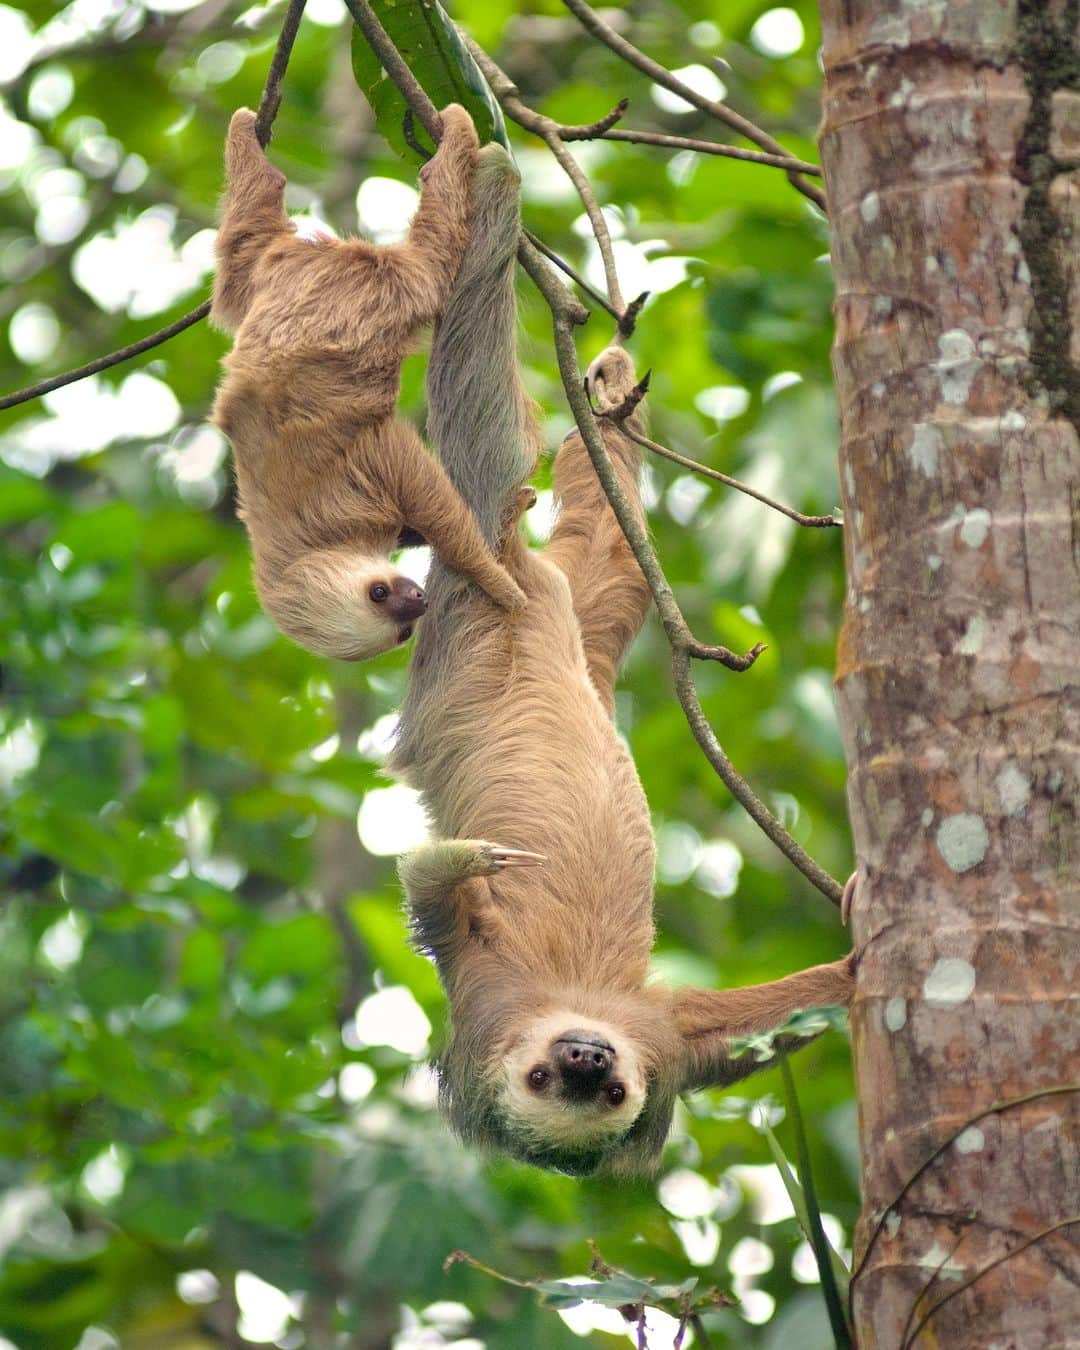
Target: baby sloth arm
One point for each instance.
(429, 261)
(253, 214)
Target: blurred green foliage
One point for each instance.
(190, 923)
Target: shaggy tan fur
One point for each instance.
(329, 481)
(543, 946)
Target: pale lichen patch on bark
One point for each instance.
(962, 841)
(895, 1013)
(938, 1259)
(971, 644)
(971, 1140)
(1013, 789)
(975, 526)
(951, 981)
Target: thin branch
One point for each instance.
(564, 266)
(268, 106)
(104, 362)
(816, 522)
(270, 101)
(592, 23)
(549, 131)
(380, 42)
(998, 1261)
(995, 1108)
(684, 645)
(669, 142)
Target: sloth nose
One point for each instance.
(407, 602)
(583, 1064)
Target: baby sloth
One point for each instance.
(329, 482)
(561, 1051)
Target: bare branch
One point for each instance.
(592, 23)
(814, 522)
(550, 133)
(564, 266)
(666, 141)
(104, 362)
(268, 106)
(390, 59)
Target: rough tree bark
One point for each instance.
(950, 143)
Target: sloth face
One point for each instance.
(398, 602)
(572, 1090)
(387, 608)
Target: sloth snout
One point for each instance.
(406, 601)
(583, 1064)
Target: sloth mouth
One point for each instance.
(404, 634)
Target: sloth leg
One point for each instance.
(253, 214)
(435, 869)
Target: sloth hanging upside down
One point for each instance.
(536, 900)
(330, 481)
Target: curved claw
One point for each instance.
(848, 897)
(516, 857)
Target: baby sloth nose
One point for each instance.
(584, 1063)
(406, 601)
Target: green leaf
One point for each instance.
(432, 48)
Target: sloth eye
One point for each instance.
(538, 1078)
(616, 1093)
(379, 592)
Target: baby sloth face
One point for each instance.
(392, 604)
(572, 1091)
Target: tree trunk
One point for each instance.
(950, 127)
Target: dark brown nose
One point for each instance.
(583, 1062)
(406, 601)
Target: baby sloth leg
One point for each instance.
(252, 216)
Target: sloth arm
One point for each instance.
(252, 216)
(708, 1019)
(448, 895)
(428, 262)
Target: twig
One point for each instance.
(390, 59)
(270, 101)
(684, 645)
(268, 106)
(816, 522)
(1000, 1260)
(104, 362)
(564, 266)
(669, 142)
(945, 1261)
(549, 131)
(995, 1108)
(593, 24)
